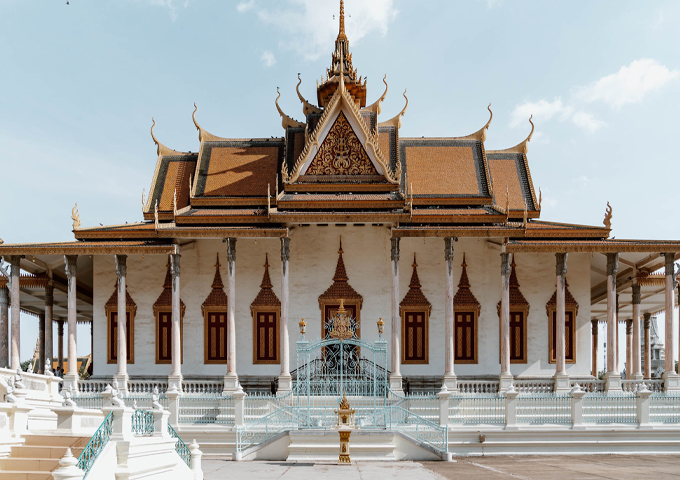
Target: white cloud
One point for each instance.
(245, 6)
(587, 121)
(541, 110)
(309, 27)
(268, 58)
(629, 85)
(171, 5)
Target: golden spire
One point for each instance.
(341, 33)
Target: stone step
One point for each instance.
(22, 451)
(322, 445)
(29, 475)
(55, 441)
(28, 464)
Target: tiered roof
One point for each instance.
(415, 296)
(266, 296)
(340, 289)
(217, 297)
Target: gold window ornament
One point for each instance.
(266, 312)
(111, 309)
(415, 310)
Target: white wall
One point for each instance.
(313, 258)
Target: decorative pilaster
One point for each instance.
(594, 330)
(672, 381)
(175, 378)
(4, 327)
(71, 377)
(450, 380)
(49, 313)
(505, 376)
(15, 301)
(121, 357)
(561, 377)
(629, 349)
(285, 382)
(231, 378)
(395, 377)
(612, 376)
(648, 347)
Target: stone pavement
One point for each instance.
(586, 467)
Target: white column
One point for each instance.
(121, 272)
(561, 377)
(672, 381)
(395, 377)
(71, 377)
(60, 343)
(231, 378)
(40, 368)
(612, 376)
(594, 330)
(4, 327)
(648, 347)
(629, 349)
(175, 378)
(450, 380)
(285, 383)
(505, 376)
(15, 301)
(49, 312)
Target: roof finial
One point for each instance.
(608, 217)
(286, 121)
(415, 264)
(341, 34)
(340, 251)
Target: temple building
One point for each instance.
(247, 239)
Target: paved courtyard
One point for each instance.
(586, 467)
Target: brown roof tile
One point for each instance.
(241, 171)
(439, 170)
(216, 297)
(464, 296)
(266, 296)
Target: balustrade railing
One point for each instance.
(471, 409)
(262, 429)
(91, 386)
(600, 407)
(203, 408)
(654, 385)
(142, 423)
(422, 429)
(89, 400)
(193, 387)
(589, 385)
(96, 444)
(534, 386)
(664, 407)
(136, 387)
(543, 408)
(478, 386)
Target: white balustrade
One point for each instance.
(478, 386)
(534, 386)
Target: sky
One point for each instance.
(81, 82)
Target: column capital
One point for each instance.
(71, 265)
(561, 264)
(15, 264)
(594, 326)
(612, 264)
(231, 254)
(669, 263)
(629, 326)
(505, 264)
(394, 252)
(121, 266)
(648, 320)
(637, 296)
(174, 264)
(285, 250)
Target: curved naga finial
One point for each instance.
(286, 121)
(377, 105)
(523, 146)
(198, 127)
(1, 241)
(204, 135)
(396, 121)
(608, 217)
(540, 198)
(481, 133)
(75, 216)
(307, 107)
(160, 148)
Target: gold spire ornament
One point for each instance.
(608, 217)
(75, 216)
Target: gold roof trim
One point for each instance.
(481, 133)
(286, 121)
(162, 150)
(522, 147)
(307, 107)
(377, 105)
(395, 121)
(204, 135)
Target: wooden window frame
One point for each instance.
(165, 309)
(551, 350)
(277, 334)
(426, 313)
(525, 312)
(475, 316)
(132, 310)
(206, 334)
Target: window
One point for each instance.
(111, 309)
(570, 315)
(162, 310)
(465, 337)
(164, 338)
(518, 337)
(266, 339)
(216, 337)
(415, 344)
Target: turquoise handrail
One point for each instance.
(96, 445)
(180, 447)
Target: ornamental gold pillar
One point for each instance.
(672, 381)
(71, 377)
(231, 378)
(612, 377)
(285, 382)
(122, 348)
(395, 376)
(637, 345)
(505, 376)
(4, 327)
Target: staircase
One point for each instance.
(38, 456)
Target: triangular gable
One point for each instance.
(341, 153)
(341, 104)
